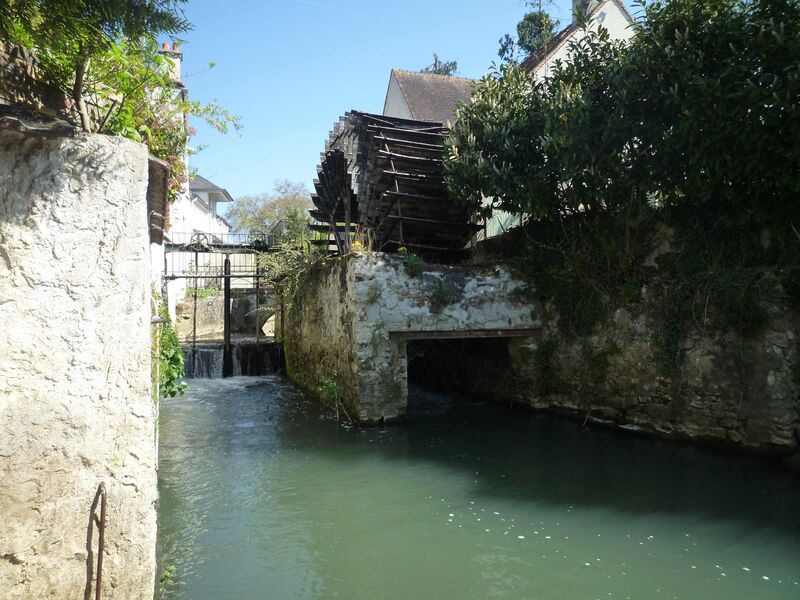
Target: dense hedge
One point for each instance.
(701, 107)
(688, 136)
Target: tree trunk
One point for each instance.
(77, 94)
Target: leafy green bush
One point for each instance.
(692, 127)
(170, 356)
(291, 270)
(106, 51)
(701, 108)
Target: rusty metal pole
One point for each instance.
(258, 291)
(227, 358)
(101, 542)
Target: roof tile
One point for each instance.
(433, 97)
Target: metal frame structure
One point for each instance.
(224, 246)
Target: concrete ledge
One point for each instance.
(461, 334)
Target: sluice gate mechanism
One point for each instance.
(227, 263)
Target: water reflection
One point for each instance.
(264, 496)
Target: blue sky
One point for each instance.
(290, 68)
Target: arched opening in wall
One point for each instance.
(452, 371)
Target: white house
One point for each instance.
(198, 212)
(194, 212)
(610, 14)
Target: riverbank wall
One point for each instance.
(75, 367)
(359, 322)
(347, 331)
(729, 388)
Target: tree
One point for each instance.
(702, 108)
(692, 128)
(106, 50)
(439, 67)
(261, 212)
(72, 33)
(534, 32)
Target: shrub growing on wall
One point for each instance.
(170, 359)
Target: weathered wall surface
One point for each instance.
(729, 388)
(739, 390)
(355, 324)
(319, 342)
(23, 85)
(76, 405)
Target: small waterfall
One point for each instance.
(204, 361)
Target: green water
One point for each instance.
(265, 496)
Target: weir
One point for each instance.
(248, 358)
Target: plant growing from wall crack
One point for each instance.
(330, 390)
(414, 265)
(165, 580)
(443, 294)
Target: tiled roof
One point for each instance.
(433, 97)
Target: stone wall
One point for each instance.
(22, 83)
(734, 389)
(354, 320)
(729, 389)
(24, 86)
(320, 342)
(75, 383)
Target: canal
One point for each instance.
(264, 495)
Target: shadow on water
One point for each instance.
(546, 459)
(261, 488)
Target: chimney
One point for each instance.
(579, 7)
(175, 56)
